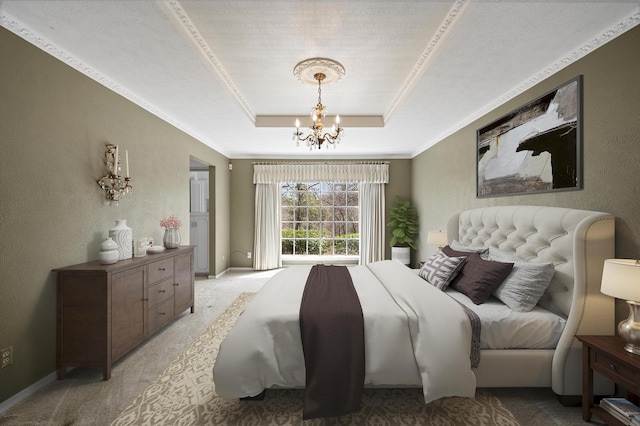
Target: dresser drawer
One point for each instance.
(617, 371)
(160, 315)
(159, 292)
(160, 270)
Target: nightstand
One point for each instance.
(606, 355)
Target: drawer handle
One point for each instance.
(146, 300)
(162, 269)
(613, 367)
(162, 313)
(177, 284)
(162, 291)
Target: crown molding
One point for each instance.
(174, 10)
(420, 67)
(601, 39)
(21, 30)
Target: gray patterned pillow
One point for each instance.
(440, 269)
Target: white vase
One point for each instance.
(108, 252)
(123, 236)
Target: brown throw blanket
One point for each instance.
(476, 328)
(332, 329)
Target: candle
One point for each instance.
(297, 124)
(126, 158)
(115, 163)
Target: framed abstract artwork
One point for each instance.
(535, 148)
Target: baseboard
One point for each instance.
(27, 392)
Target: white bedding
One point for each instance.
(406, 340)
(503, 328)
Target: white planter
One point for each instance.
(401, 254)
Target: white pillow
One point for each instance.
(440, 269)
(525, 285)
(458, 246)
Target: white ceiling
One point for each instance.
(216, 68)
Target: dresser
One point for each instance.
(104, 311)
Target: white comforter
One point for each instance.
(414, 335)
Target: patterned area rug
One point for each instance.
(184, 395)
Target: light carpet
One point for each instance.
(184, 395)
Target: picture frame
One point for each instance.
(536, 148)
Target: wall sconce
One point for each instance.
(437, 238)
(113, 184)
(621, 279)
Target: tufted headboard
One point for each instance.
(576, 241)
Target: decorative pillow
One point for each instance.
(440, 269)
(458, 246)
(525, 285)
(478, 278)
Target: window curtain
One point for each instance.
(372, 223)
(321, 172)
(268, 216)
(266, 245)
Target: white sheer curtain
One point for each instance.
(372, 223)
(266, 245)
(268, 179)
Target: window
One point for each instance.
(320, 219)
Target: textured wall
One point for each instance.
(444, 176)
(54, 123)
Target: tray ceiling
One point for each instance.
(222, 71)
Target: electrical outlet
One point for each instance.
(6, 356)
(248, 255)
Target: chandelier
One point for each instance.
(311, 71)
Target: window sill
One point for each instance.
(289, 260)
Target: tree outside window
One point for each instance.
(320, 218)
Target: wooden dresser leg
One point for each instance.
(106, 373)
(587, 384)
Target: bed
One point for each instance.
(264, 349)
(577, 242)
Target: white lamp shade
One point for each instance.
(437, 238)
(621, 279)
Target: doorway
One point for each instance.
(200, 181)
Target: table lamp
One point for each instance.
(621, 279)
(437, 238)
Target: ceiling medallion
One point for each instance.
(312, 71)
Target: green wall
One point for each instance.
(444, 176)
(243, 196)
(54, 124)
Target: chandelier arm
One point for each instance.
(309, 136)
(331, 138)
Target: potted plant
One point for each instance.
(404, 228)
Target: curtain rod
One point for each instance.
(310, 162)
